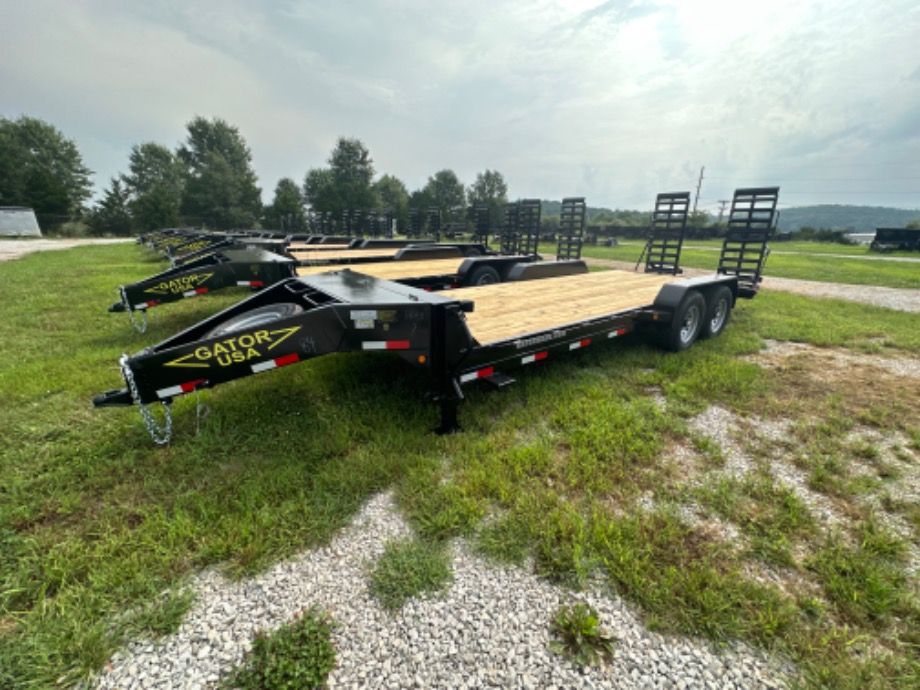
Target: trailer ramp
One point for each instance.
(751, 224)
(669, 223)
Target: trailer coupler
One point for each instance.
(114, 398)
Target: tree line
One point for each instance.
(208, 180)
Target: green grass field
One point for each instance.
(574, 466)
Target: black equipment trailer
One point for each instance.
(457, 336)
(425, 266)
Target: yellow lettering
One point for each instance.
(262, 337)
(247, 341)
(220, 349)
(250, 353)
(202, 353)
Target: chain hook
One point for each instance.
(160, 435)
(140, 327)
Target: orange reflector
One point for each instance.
(422, 359)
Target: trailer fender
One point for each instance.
(547, 269)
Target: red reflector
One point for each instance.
(585, 342)
(201, 291)
(541, 355)
(482, 373)
(397, 345)
(190, 386)
(255, 283)
(287, 359)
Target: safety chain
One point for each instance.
(159, 435)
(202, 411)
(139, 327)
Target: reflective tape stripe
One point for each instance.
(178, 390)
(274, 363)
(529, 359)
(580, 343)
(385, 345)
(146, 305)
(472, 376)
(618, 332)
(197, 291)
(250, 283)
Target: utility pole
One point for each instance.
(722, 205)
(698, 185)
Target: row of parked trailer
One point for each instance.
(462, 312)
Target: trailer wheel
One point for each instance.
(687, 323)
(483, 275)
(718, 311)
(255, 317)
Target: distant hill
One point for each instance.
(831, 216)
(852, 218)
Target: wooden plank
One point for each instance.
(319, 255)
(394, 270)
(303, 247)
(513, 310)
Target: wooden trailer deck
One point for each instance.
(393, 270)
(304, 247)
(509, 311)
(319, 255)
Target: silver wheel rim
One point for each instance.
(691, 324)
(718, 319)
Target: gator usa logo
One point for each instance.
(235, 350)
(180, 285)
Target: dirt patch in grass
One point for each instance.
(870, 388)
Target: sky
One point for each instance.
(614, 101)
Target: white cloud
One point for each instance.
(613, 100)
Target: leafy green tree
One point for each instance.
(154, 184)
(445, 191)
(287, 207)
(394, 196)
(346, 184)
(112, 215)
(699, 219)
(490, 190)
(41, 168)
(914, 224)
(221, 187)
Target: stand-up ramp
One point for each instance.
(669, 223)
(751, 224)
(572, 218)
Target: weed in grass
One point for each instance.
(407, 569)
(577, 634)
(296, 656)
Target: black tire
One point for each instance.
(483, 275)
(255, 317)
(472, 251)
(718, 312)
(687, 323)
